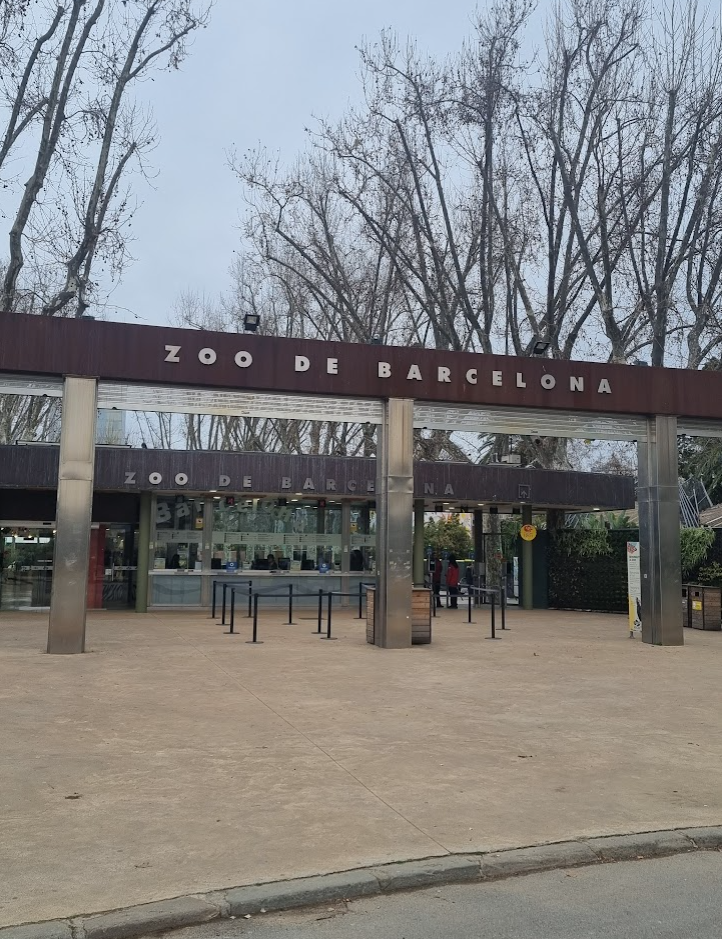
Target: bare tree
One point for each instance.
(65, 98)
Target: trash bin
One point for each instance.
(705, 607)
(420, 615)
(686, 608)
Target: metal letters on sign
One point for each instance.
(528, 532)
(121, 352)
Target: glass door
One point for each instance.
(26, 567)
(120, 566)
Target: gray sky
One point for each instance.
(257, 74)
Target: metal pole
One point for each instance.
(223, 607)
(527, 567)
(503, 605)
(290, 605)
(469, 613)
(231, 631)
(328, 623)
(250, 598)
(255, 640)
(320, 612)
(360, 601)
(213, 600)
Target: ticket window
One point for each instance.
(179, 533)
(363, 538)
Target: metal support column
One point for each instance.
(658, 497)
(419, 541)
(142, 576)
(394, 507)
(68, 600)
(527, 564)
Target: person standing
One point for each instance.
(452, 581)
(436, 566)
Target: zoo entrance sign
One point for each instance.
(121, 352)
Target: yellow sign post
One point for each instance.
(528, 532)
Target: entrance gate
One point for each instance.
(95, 365)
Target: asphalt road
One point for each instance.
(671, 898)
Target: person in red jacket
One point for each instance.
(452, 581)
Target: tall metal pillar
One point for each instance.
(658, 498)
(141, 574)
(68, 600)
(527, 563)
(394, 506)
(419, 545)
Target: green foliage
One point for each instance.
(448, 534)
(711, 575)
(694, 545)
(580, 582)
(584, 542)
(616, 521)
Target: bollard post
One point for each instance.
(320, 613)
(493, 617)
(255, 641)
(250, 598)
(328, 623)
(360, 601)
(213, 600)
(502, 602)
(223, 609)
(290, 605)
(230, 631)
(468, 619)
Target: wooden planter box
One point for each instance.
(420, 615)
(705, 607)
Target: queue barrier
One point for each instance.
(229, 589)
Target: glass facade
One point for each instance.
(275, 535)
(26, 567)
(179, 533)
(210, 535)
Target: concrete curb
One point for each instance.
(146, 918)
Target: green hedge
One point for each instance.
(579, 580)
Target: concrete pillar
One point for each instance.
(394, 506)
(419, 547)
(658, 497)
(68, 600)
(141, 575)
(527, 569)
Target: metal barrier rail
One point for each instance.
(254, 595)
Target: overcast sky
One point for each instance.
(259, 73)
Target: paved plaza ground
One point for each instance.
(172, 758)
